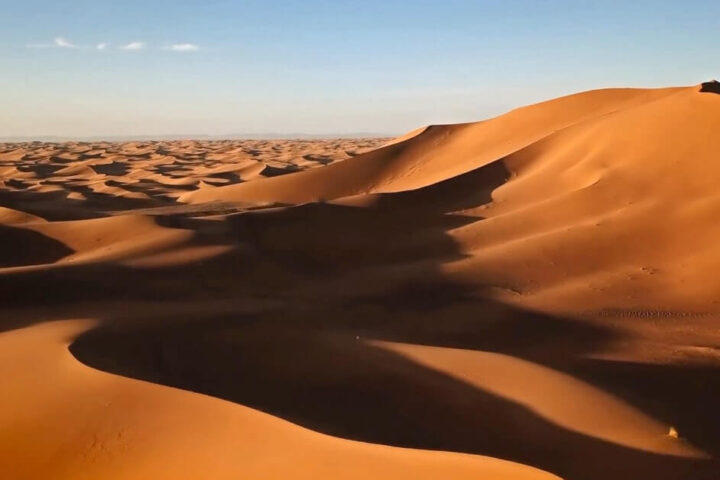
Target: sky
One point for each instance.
(85, 68)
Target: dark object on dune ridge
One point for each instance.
(713, 86)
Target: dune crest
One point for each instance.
(435, 153)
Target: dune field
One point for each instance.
(532, 296)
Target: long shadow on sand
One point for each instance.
(308, 366)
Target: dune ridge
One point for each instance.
(437, 152)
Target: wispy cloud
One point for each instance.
(133, 46)
(58, 42)
(182, 47)
(62, 42)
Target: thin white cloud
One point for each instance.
(133, 46)
(60, 42)
(183, 47)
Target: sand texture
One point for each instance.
(532, 296)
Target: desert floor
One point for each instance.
(533, 296)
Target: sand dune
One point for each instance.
(529, 296)
(152, 173)
(436, 153)
(103, 426)
(553, 395)
(8, 216)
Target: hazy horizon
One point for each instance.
(191, 136)
(160, 68)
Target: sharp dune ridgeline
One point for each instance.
(533, 296)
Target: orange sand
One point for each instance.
(530, 296)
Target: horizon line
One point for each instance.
(218, 137)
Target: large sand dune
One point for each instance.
(530, 296)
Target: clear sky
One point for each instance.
(127, 67)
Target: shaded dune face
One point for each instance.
(536, 287)
(25, 247)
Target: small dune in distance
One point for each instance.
(529, 297)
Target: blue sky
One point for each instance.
(320, 66)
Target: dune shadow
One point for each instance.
(683, 395)
(56, 206)
(311, 369)
(21, 246)
(114, 169)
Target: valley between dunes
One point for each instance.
(533, 296)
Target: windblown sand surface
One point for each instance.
(533, 296)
